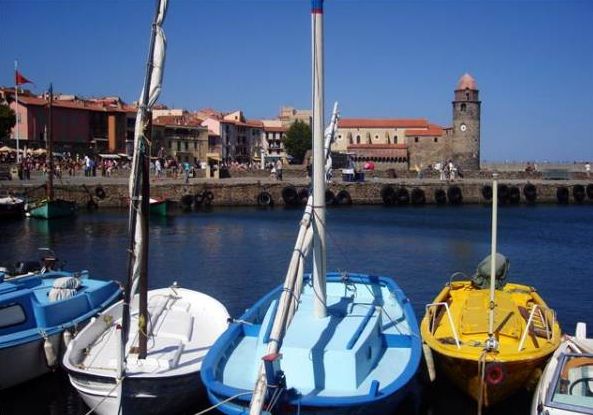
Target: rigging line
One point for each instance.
(94, 408)
(223, 402)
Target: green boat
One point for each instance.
(159, 207)
(51, 209)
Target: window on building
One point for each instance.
(463, 106)
(394, 139)
(376, 137)
(186, 146)
(436, 140)
(415, 139)
(340, 137)
(467, 96)
(357, 139)
(179, 146)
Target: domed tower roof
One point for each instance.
(467, 82)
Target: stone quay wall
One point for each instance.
(252, 192)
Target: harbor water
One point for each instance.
(239, 254)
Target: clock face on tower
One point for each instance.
(463, 127)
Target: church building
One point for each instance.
(406, 144)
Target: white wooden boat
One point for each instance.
(566, 385)
(183, 324)
(143, 356)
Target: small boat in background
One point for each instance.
(488, 336)
(40, 313)
(566, 385)
(50, 207)
(11, 206)
(159, 207)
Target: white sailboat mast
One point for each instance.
(319, 242)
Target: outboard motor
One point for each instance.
(501, 267)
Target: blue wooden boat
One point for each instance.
(39, 313)
(325, 343)
(362, 356)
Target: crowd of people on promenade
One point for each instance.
(448, 171)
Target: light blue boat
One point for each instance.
(39, 313)
(360, 358)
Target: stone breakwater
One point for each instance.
(268, 192)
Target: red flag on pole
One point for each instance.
(20, 79)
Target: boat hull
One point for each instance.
(384, 406)
(27, 361)
(465, 375)
(159, 208)
(53, 209)
(11, 209)
(140, 395)
(360, 359)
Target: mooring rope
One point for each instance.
(213, 407)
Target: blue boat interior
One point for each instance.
(366, 347)
(28, 311)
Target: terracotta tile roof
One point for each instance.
(382, 123)
(377, 146)
(432, 130)
(174, 120)
(78, 104)
(275, 129)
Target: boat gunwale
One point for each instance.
(472, 353)
(216, 388)
(549, 392)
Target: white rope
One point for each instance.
(94, 408)
(223, 402)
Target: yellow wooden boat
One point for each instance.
(489, 337)
(455, 328)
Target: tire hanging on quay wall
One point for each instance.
(440, 197)
(343, 198)
(290, 196)
(418, 197)
(590, 191)
(264, 200)
(503, 194)
(186, 202)
(402, 196)
(578, 193)
(198, 199)
(530, 192)
(304, 195)
(487, 192)
(455, 195)
(330, 198)
(388, 195)
(562, 195)
(100, 192)
(91, 205)
(514, 195)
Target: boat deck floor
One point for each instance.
(362, 345)
(174, 345)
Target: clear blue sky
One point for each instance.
(533, 60)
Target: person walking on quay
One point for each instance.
(158, 168)
(186, 169)
(279, 169)
(588, 169)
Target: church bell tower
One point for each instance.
(465, 149)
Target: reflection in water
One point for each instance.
(237, 255)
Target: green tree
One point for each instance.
(298, 140)
(7, 121)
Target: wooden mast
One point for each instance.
(50, 139)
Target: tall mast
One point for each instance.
(491, 344)
(319, 242)
(50, 147)
(140, 189)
